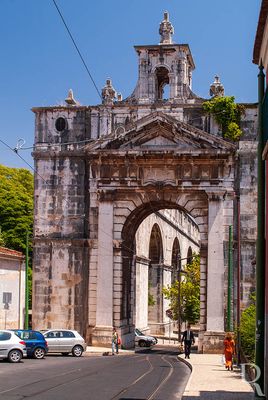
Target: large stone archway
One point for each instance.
(100, 170)
(142, 182)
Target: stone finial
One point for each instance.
(70, 100)
(166, 30)
(108, 93)
(119, 97)
(216, 88)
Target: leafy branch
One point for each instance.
(227, 114)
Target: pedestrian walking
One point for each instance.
(114, 342)
(188, 340)
(229, 350)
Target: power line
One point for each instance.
(16, 152)
(77, 49)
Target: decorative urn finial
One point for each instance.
(166, 30)
(216, 88)
(70, 100)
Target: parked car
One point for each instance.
(144, 340)
(11, 346)
(65, 341)
(36, 344)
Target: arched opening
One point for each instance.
(161, 241)
(176, 260)
(155, 278)
(162, 84)
(189, 255)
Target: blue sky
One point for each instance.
(39, 62)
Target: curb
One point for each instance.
(189, 365)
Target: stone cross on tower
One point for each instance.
(166, 30)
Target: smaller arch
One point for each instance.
(189, 255)
(156, 245)
(175, 259)
(163, 65)
(161, 81)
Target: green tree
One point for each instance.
(227, 114)
(16, 206)
(16, 211)
(189, 293)
(247, 330)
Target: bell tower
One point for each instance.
(165, 69)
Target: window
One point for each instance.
(5, 335)
(67, 334)
(61, 124)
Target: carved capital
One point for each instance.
(217, 195)
(106, 195)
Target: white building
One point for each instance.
(12, 288)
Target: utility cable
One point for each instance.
(77, 49)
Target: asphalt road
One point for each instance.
(149, 374)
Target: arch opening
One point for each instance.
(162, 83)
(152, 261)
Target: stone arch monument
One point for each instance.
(96, 183)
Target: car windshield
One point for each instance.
(138, 332)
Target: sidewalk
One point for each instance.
(105, 351)
(210, 380)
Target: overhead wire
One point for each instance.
(76, 47)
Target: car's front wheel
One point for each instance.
(14, 356)
(39, 353)
(142, 343)
(77, 351)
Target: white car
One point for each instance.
(144, 340)
(11, 346)
(65, 341)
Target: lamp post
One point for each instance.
(26, 319)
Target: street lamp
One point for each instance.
(26, 319)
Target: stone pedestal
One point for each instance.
(102, 336)
(211, 342)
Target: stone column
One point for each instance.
(215, 276)
(104, 307)
(215, 272)
(141, 320)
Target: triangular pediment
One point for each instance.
(159, 131)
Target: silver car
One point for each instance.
(144, 340)
(65, 341)
(11, 346)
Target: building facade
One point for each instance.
(12, 289)
(102, 170)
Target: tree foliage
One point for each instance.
(189, 293)
(16, 211)
(16, 206)
(227, 114)
(247, 330)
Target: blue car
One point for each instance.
(36, 344)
